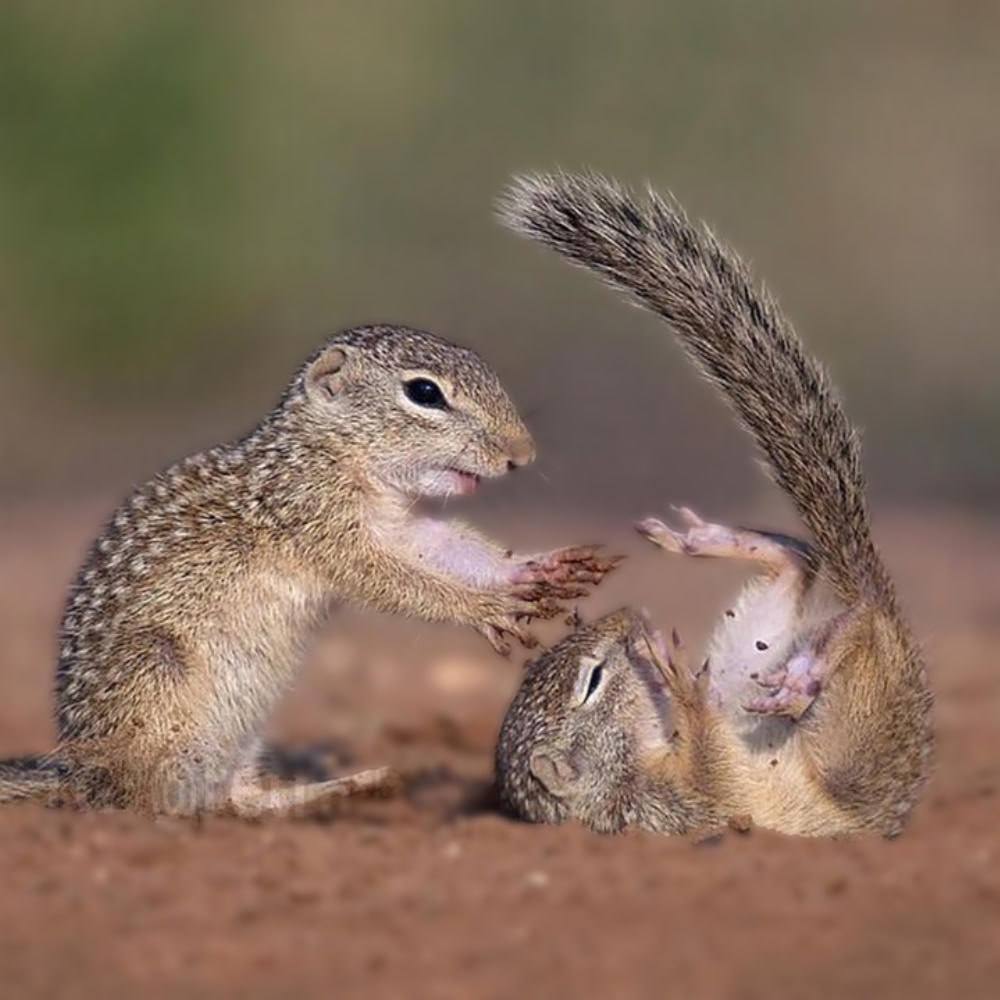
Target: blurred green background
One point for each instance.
(193, 193)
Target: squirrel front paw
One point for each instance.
(535, 588)
(565, 573)
(689, 688)
(508, 618)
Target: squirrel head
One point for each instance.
(573, 739)
(422, 415)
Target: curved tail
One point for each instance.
(26, 779)
(736, 336)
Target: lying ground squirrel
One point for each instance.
(188, 618)
(812, 712)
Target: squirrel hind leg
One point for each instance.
(869, 741)
(249, 800)
(697, 537)
(795, 683)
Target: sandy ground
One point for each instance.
(435, 895)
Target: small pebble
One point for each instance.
(537, 879)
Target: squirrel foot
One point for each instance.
(249, 801)
(795, 686)
(697, 538)
(702, 538)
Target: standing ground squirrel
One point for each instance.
(188, 618)
(812, 714)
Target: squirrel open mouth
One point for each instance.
(466, 482)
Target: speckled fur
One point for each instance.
(188, 618)
(856, 756)
(612, 747)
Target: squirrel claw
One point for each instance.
(494, 637)
(654, 530)
(688, 516)
(792, 687)
(690, 687)
(791, 704)
(578, 563)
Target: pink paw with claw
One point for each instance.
(697, 537)
(794, 685)
(564, 573)
(689, 687)
(537, 586)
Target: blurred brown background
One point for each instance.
(192, 194)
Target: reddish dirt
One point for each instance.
(434, 895)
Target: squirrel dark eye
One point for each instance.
(424, 392)
(594, 681)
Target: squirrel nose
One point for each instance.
(520, 451)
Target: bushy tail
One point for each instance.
(30, 779)
(737, 337)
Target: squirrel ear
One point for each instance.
(554, 771)
(325, 377)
